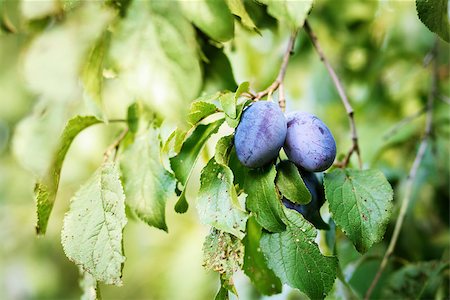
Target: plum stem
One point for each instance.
(413, 171)
(342, 94)
(278, 83)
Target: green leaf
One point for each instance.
(200, 110)
(88, 285)
(263, 200)
(92, 73)
(217, 201)
(212, 17)
(218, 72)
(255, 266)
(361, 204)
(92, 229)
(155, 52)
(292, 12)
(416, 281)
(223, 149)
(184, 162)
(291, 184)
(67, 42)
(434, 14)
(147, 184)
(237, 8)
(296, 259)
(47, 187)
(223, 253)
(228, 102)
(134, 113)
(222, 294)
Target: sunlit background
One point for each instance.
(377, 47)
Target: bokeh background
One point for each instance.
(377, 47)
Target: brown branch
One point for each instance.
(342, 94)
(115, 144)
(412, 173)
(278, 83)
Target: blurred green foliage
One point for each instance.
(377, 47)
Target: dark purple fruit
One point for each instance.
(309, 143)
(260, 134)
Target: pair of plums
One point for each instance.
(264, 129)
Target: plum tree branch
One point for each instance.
(342, 94)
(412, 172)
(115, 144)
(278, 83)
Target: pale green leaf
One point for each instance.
(228, 102)
(292, 12)
(47, 186)
(147, 184)
(67, 43)
(184, 162)
(223, 149)
(217, 202)
(92, 229)
(361, 204)
(212, 17)
(291, 184)
(237, 8)
(200, 110)
(255, 266)
(155, 51)
(296, 259)
(263, 200)
(435, 15)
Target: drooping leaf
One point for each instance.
(361, 204)
(155, 52)
(235, 106)
(255, 265)
(292, 12)
(47, 187)
(92, 229)
(92, 73)
(263, 200)
(291, 184)
(296, 259)
(147, 184)
(69, 42)
(237, 8)
(217, 202)
(183, 163)
(224, 254)
(416, 281)
(212, 17)
(434, 14)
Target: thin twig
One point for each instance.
(403, 122)
(412, 173)
(278, 83)
(115, 144)
(342, 94)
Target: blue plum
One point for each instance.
(260, 134)
(311, 211)
(309, 143)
